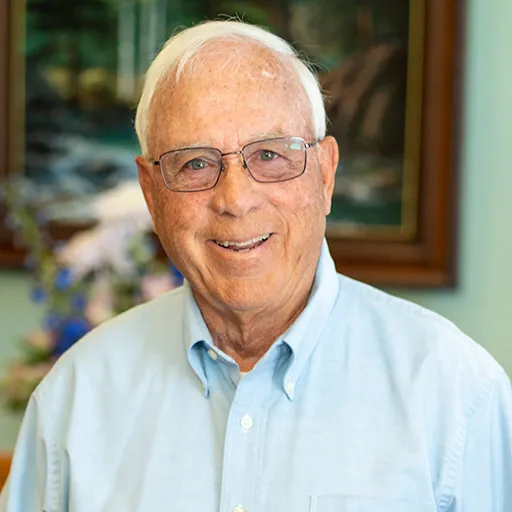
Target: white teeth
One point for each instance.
(226, 243)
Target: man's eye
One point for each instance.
(196, 165)
(267, 155)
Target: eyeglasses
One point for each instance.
(267, 161)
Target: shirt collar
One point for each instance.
(302, 336)
(195, 335)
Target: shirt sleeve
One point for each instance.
(25, 489)
(484, 479)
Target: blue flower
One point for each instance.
(178, 277)
(52, 321)
(63, 279)
(69, 333)
(38, 294)
(79, 301)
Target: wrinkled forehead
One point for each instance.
(234, 79)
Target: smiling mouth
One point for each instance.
(245, 246)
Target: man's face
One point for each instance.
(226, 107)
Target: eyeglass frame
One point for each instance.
(222, 168)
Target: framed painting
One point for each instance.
(5, 465)
(390, 71)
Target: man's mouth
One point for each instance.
(243, 246)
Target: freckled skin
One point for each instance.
(247, 302)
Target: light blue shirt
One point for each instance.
(366, 404)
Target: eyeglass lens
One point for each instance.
(270, 160)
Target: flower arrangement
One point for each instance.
(95, 275)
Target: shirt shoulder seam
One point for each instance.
(455, 457)
(52, 496)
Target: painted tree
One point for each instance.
(72, 34)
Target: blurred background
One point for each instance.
(83, 108)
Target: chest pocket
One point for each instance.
(333, 503)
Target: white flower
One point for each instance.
(154, 285)
(122, 214)
(97, 248)
(124, 204)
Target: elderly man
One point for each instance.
(268, 382)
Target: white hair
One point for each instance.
(182, 47)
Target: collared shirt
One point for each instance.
(367, 403)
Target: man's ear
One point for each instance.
(146, 174)
(329, 156)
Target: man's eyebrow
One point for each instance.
(196, 144)
(254, 138)
(268, 135)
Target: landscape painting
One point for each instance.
(84, 62)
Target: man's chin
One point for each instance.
(246, 295)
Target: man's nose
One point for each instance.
(236, 193)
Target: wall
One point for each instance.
(17, 314)
(482, 304)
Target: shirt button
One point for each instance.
(239, 508)
(289, 387)
(246, 423)
(212, 354)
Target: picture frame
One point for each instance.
(419, 250)
(5, 466)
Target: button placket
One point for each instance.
(239, 444)
(245, 439)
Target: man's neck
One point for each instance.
(246, 336)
